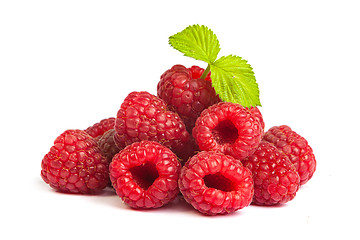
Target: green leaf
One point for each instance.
(198, 42)
(234, 80)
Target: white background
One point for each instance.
(69, 64)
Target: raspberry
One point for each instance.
(101, 127)
(107, 145)
(228, 128)
(74, 164)
(275, 177)
(196, 72)
(214, 183)
(145, 175)
(296, 148)
(256, 112)
(189, 150)
(143, 116)
(186, 93)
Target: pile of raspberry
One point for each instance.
(186, 143)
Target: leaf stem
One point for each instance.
(205, 73)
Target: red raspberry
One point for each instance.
(186, 93)
(189, 150)
(196, 72)
(296, 148)
(275, 177)
(256, 112)
(143, 116)
(107, 145)
(214, 183)
(98, 129)
(145, 175)
(228, 128)
(74, 164)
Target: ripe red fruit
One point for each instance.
(145, 175)
(74, 164)
(296, 148)
(143, 116)
(214, 183)
(228, 128)
(98, 129)
(256, 112)
(275, 177)
(186, 93)
(107, 145)
(189, 150)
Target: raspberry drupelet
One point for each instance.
(145, 175)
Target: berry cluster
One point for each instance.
(186, 141)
